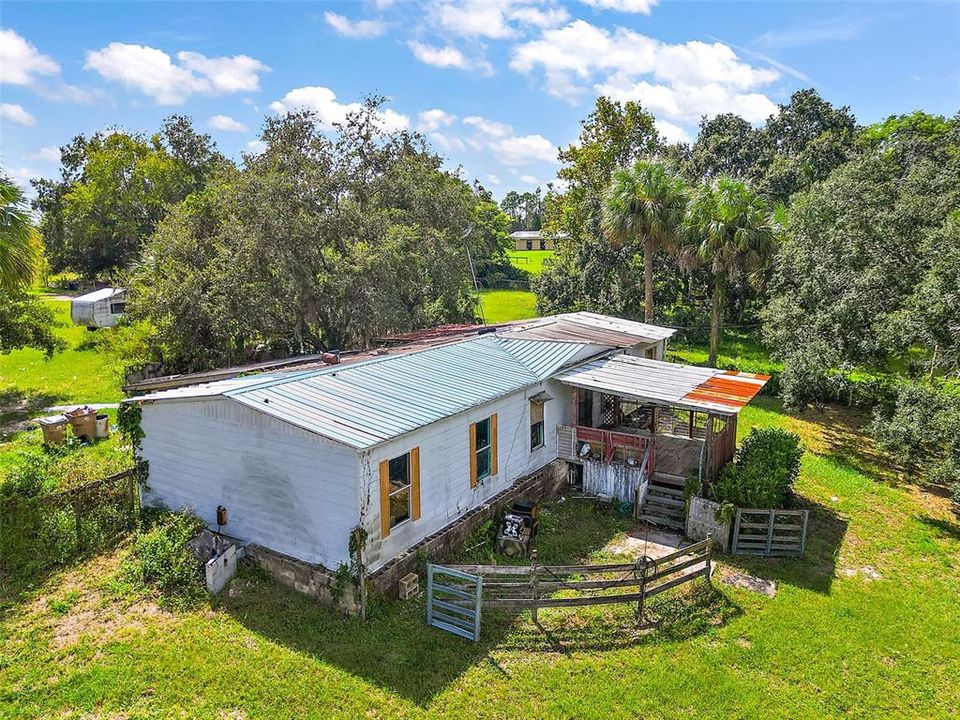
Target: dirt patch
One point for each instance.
(749, 582)
(645, 540)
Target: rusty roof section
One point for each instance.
(690, 387)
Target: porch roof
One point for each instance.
(689, 387)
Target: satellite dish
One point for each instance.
(584, 449)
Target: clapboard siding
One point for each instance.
(284, 488)
(445, 492)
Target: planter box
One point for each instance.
(702, 521)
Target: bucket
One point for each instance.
(83, 420)
(103, 425)
(54, 429)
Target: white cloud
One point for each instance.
(383, 4)
(529, 179)
(524, 149)
(672, 133)
(549, 17)
(493, 179)
(16, 113)
(431, 120)
(355, 28)
(508, 148)
(677, 82)
(446, 57)
(226, 124)
(47, 154)
(154, 73)
(491, 128)
(447, 142)
(256, 146)
(627, 6)
(475, 18)
(21, 62)
(323, 101)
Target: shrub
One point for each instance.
(33, 473)
(763, 471)
(955, 492)
(162, 561)
(922, 429)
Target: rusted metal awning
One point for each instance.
(690, 387)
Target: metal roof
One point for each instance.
(662, 383)
(591, 328)
(101, 294)
(366, 403)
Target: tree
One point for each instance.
(645, 203)
(728, 145)
(729, 229)
(114, 189)
(524, 209)
(20, 246)
(24, 321)
(322, 241)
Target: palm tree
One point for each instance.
(19, 240)
(729, 229)
(646, 203)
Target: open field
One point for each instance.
(81, 373)
(505, 305)
(863, 626)
(529, 260)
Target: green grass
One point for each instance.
(529, 260)
(81, 373)
(736, 348)
(864, 626)
(505, 305)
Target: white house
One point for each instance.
(100, 308)
(402, 444)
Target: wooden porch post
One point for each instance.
(574, 406)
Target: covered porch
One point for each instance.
(643, 427)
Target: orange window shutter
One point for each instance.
(415, 484)
(384, 498)
(473, 455)
(493, 444)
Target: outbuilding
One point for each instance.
(100, 308)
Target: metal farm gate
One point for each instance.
(770, 532)
(453, 601)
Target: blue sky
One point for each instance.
(496, 85)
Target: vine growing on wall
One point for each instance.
(129, 418)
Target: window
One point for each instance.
(399, 480)
(650, 353)
(529, 244)
(543, 244)
(118, 307)
(483, 449)
(399, 490)
(536, 424)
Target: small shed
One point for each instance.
(531, 240)
(100, 308)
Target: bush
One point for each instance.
(33, 473)
(955, 492)
(162, 561)
(922, 429)
(763, 471)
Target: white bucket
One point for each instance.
(103, 426)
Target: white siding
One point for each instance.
(445, 492)
(284, 488)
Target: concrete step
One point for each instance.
(662, 521)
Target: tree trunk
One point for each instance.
(648, 279)
(716, 320)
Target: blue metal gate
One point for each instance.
(453, 601)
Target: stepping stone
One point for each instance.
(749, 582)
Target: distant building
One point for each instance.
(531, 240)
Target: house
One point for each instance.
(531, 240)
(100, 308)
(410, 443)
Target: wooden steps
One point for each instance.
(664, 504)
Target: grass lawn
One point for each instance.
(736, 348)
(529, 260)
(505, 305)
(81, 373)
(865, 625)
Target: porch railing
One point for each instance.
(604, 444)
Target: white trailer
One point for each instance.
(100, 308)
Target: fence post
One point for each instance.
(79, 530)
(736, 532)
(533, 586)
(770, 520)
(709, 556)
(430, 594)
(803, 533)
